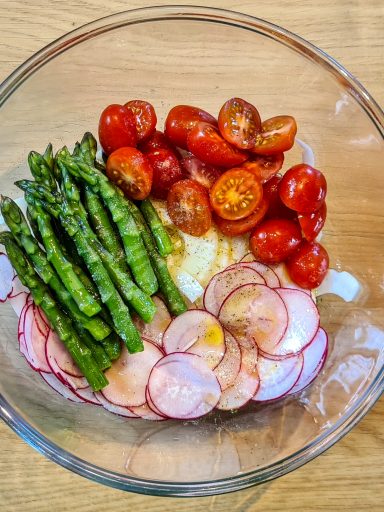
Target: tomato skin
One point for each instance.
(206, 143)
(303, 188)
(312, 223)
(239, 227)
(276, 209)
(277, 135)
(131, 171)
(274, 240)
(263, 166)
(197, 170)
(188, 207)
(239, 123)
(180, 121)
(308, 266)
(166, 171)
(236, 194)
(117, 128)
(145, 118)
(157, 141)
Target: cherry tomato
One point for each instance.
(274, 240)
(239, 123)
(180, 121)
(277, 135)
(308, 266)
(145, 118)
(303, 188)
(131, 171)
(276, 209)
(236, 194)
(312, 223)
(264, 167)
(166, 171)
(239, 227)
(206, 143)
(198, 171)
(157, 141)
(117, 128)
(188, 207)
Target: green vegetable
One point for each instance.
(159, 233)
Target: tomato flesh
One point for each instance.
(312, 223)
(199, 171)
(188, 207)
(131, 171)
(264, 167)
(157, 141)
(239, 227)
(303, 188)
(117, 128)
(166, 171)
(180, 121)
(274, 240)
(276, 208)
(145, 118)
(277, 135)
(239, 123)
(308, 266)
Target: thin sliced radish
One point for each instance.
(63, 359)
(128, 376)
(6, 277)
(223, 283)
(155, 329)
(303, 323)
(247, 257)
(285, 280)
(116, 409)
(61, 388)
(246, 382)
(18, 302)
(17, 287)
(314, 357)
(198, 332)
(35, 341)
(41, 318)
(20, 330)
(146, 413)
(151, 405)
(277, 378)
(268, 274)
(227, 371)
(87, 395)
(256, 312)
(182, 386)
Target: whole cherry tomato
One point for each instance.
(312, 223)
(239, 227)
(239, 123)
(308, 266)
(131, 171)
(274, 240)
(117, 128)
(236, 194)
(180, 121)
(188, 207)
(166, 171)
(303, 188)
(206, 143)
(277, 135)
(157, 141)
(264, 167)
(145, 118)
(276, 208)
(198, 171)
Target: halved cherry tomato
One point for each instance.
(303, 188)
(274, 240)
(206, 143)
(145, 117)
(308, 266)
(117, 128)
(239, 123)
(131, 171)
(312, 223)
(277, 135)
(239, 227)
(199, 171)
(188, 207)
(236, 194)
(166, 171)
(180, 121)
(276, 209)
(157, 141)
(264, 167)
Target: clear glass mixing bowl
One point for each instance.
(202, 56)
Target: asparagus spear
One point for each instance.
(99, 354)
(57, 319)
(159, 233)
(41, 170)
(48, 156)
(112, 346)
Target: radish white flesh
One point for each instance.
(35, 341)
(20, 330)
(151, 405)
(6, 277)
(146, 413)
(18, 302)
(285, 280)
(155, 329)
(268, 274)
(61, 388)
(115, 409)
(314, 357)
(182, 386)
(277, 377)
(63, 358)
(247, 257)
(87, 395)
(198, 332)
(256, 312)
(17, 287)
(303, 323)
(128, 376)
(228, 369)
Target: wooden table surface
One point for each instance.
(350, 475)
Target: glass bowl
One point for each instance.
(202, 57)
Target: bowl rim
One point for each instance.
(38, 441)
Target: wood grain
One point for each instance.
(349, 476)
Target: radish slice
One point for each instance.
(256, 312)
(197, 332)
(6, 277)
(35, 341)
(227, 371)
(61, 388)
(223, 283)
(18, 302)
(87, 395)
(151, 405)
(128, 376)
(268, 274)
(146, 413)
(182, 386)
(116, 409)
(285, 280)
(20, 330)
(247, 257)
(303, 323)
(155, 329)
(17, 287)
(314, 358)
(246, 382)
(277, 378)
